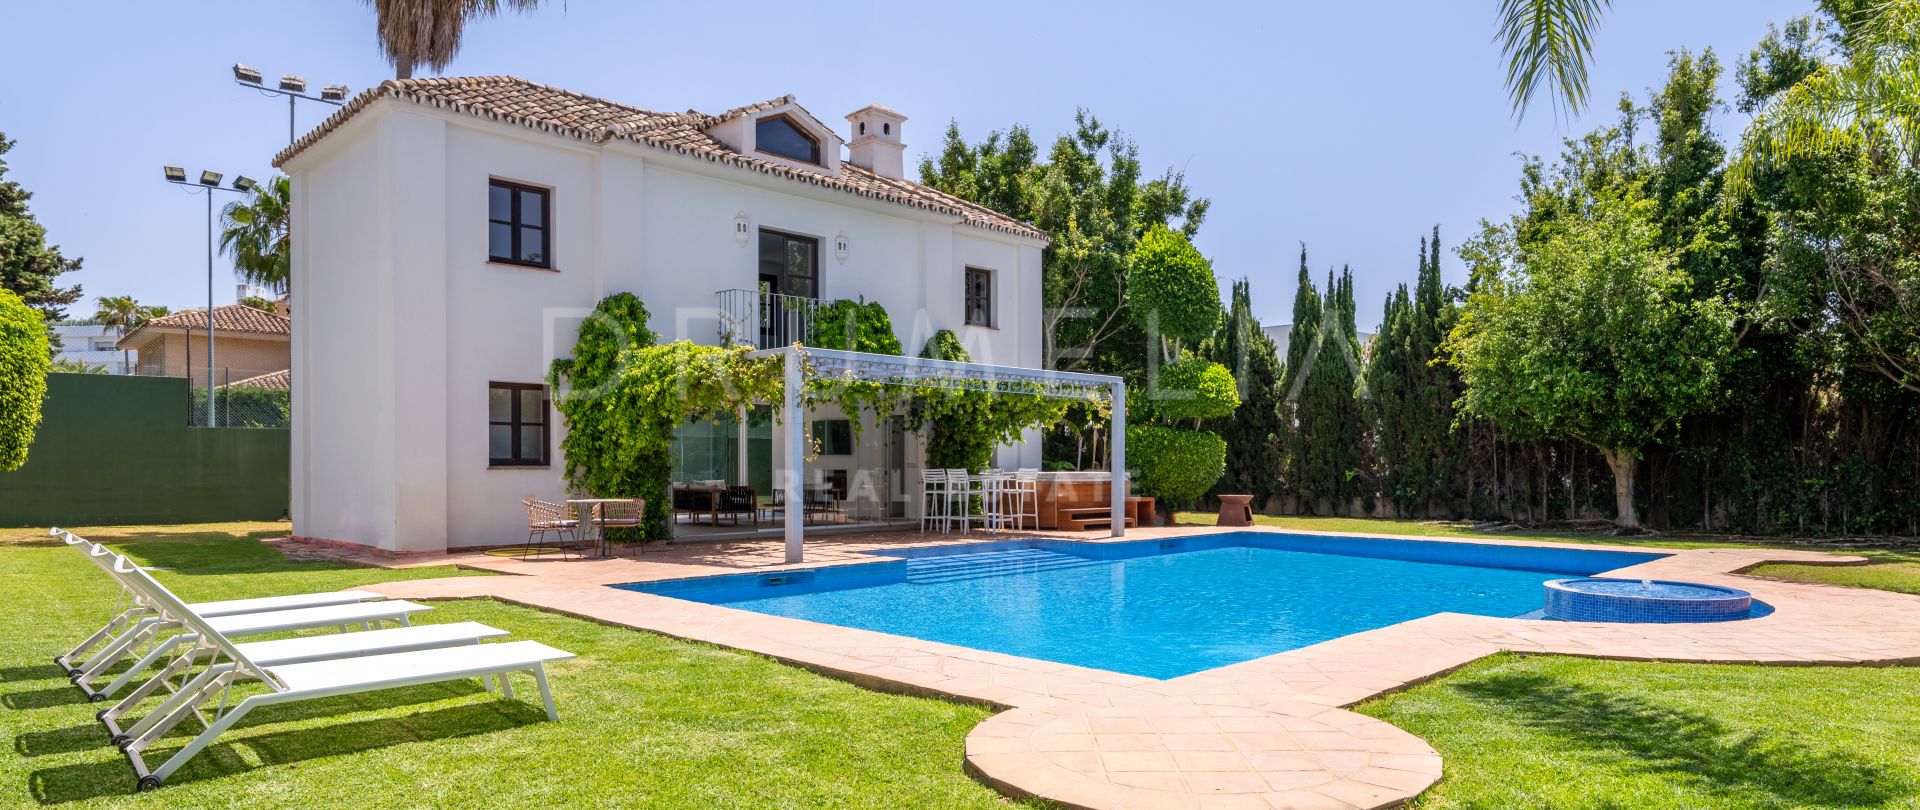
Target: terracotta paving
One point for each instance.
(1268, 733)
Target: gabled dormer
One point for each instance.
(780, 131)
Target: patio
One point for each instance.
(1268, 732)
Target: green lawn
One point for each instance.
(1550, 732)
(644, 720)
(1887, 569)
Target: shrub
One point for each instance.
(1193, 389)
(1170, 287)
(1174, 465)
(854, 326)
(24, 358)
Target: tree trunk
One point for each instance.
(1623, 463)
(403, 69)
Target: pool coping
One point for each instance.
(1270, 732)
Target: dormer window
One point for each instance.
(779, 135)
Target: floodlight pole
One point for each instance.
(210, 408)
(293, 96)
(241, 186)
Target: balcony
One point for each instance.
(765, 320)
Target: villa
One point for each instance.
(450, 235)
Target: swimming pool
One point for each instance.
(1157, 608)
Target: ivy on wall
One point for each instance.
(623, 396)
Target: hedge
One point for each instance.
(24, 358)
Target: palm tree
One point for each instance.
(124, 314)
(1548, 42)
(255, 232)
(427, 32)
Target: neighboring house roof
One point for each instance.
(582, 117)
(230, 319)
(281, 380)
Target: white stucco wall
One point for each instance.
(401, 322)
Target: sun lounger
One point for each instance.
(124, 619)
(288, 683)
(150, 629)
(309, 649)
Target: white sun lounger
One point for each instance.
(366, 615)
(311, 648)
(290, 683)
(149, 629)
(124, 619)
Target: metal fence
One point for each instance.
(242, 397)
(765, 320)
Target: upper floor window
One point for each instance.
(517, 424)
(979, 297)
(518, 219)
(779, 135)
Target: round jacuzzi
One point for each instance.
(1598, 599)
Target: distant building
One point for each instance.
(92, 343)
(247, 342)
(1281, 333)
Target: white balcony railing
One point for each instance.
(765, 320)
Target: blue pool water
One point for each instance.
(1156, 608)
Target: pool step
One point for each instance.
(958, 567)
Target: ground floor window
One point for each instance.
(517, 424)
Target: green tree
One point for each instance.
(1089, 195)
(1587, 329)
(256, 302)
(24, 357)
(1171, 292)
(1326, 454)
(28, 265)
(123, 314)
(1254, 434)
(257, 233)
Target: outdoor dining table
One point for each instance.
(597, 524)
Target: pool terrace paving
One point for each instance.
(1268, 733)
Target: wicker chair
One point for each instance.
(624, 514)
(543, 517)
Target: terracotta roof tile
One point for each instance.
(233, 318)
(596, 120)
(281, 380)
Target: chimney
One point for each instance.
(875, 144)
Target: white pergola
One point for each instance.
(920, 372)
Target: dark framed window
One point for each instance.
(517, 424)
(835, 436)
(519, 220)
(789, 264)
(979, 297)
(779, 135)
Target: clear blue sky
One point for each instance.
(1354, 127)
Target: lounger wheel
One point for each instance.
(101, 715)
(121, 741)
(96, 697)
(148, 783)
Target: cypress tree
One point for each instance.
(1323, 367)
(1255, 432)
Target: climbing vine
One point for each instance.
(964, 426)
(623, 397)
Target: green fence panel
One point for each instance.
(118, 449)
